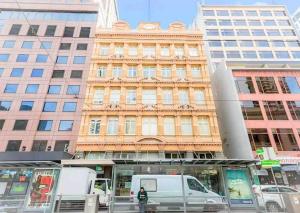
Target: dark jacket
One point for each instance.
(142, 197)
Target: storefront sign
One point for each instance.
(260, 151)
(41, 196)
(238, 187)
(270, 163)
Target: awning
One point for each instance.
(26, 164)
(83, 162)
(35, 156)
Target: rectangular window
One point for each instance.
(94, 127)
(212, 32)
(149, 72)
(237, 13)
(8, 44)
(215, 43)
(73, 90)
(288, 32)
(244, 85)
(271, 32)
(32, 88)
(282, 54)
(254, 23)
(112, 126)
(294, 107)
(13, 146)
(284, 23)
(84, 32)
(131, 97)
(242, 32)
(62, 145)
(49, 106)
(130, 125)
(65, 125)
(167, 96)
(183, 96)
(246, 43)
(58, 74)
(98, 96)
(296, 54)
(79, 59)
(65, 46)
(11, 88)
(265, 13)
(76, 74)
(41, 58)
(22, 58)
(262, 43)
(54, 89)
(45, 125)
(251, 110)
(62, 59)
(294, 43)
(132, 71)
(196, 72)
(39, 146)
(227, 32)
(239, 22)
(149, 51)
(20, 125)
(5, 105)
(117, 72)
(225, 22)
(230, 43)
(27, 44)
(179, 51)
(211, 22)
(278, 43)
(46, 45)
(259, 138)
(2, 121)
(119, 50)
(199, 97)
(204, 127)
(169, 126)
(222, 13)
(69, 107)
(217, 54)
(149, 97)
(208, 13)
(233, 54)
(166, 72)
(82, 46)
(50, 31)
(266, 85)
(275, 110)
(26, 106)
(266, 54)
(15, 29)
(165, 51)
(193, 51)
(101, 72)
(181, 72)
(249, 54)
(1, 71)
(114, 96)
(289, 85)
(258, 32)
(285, 140)
(269, 23)
(132, 50)
(37, 73)
(69, 31)
(17, 72)
(149, 126)
(186, 126)
(33, 30)
(104, 50)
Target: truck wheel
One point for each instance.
(273, 207)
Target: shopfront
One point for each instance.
(187, 183)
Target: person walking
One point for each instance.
(143, 198)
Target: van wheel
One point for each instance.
(273, 207)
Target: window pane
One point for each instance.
(169, 126)
(65, 126)
(15, 29)
(69, 107)
(289, 85)
(112, 126)
(275, 110)
(69, 31)
(50, 31)
(244, 85)
(266, 85)
(294, 107)
(84, 32)
(251, 110)
(186, 126)
(259, 138)
(285, 140)
(94, 127)
(20, 125)
(16, 72)
(13, 145)
(26, 106)
(45, 125)
(49, 107)
(37, 73)
(33, 30)
(149, 126)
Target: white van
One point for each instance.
(168, 189)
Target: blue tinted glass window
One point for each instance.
(49, 107)
(41, 58)
(4, 57)
(46, 45)
(62, 59)
(54, 89)
(79, 60)
(27, 44)
(16, 72)
(11, 88)
(45, 125)
(5, 105)
(26, 106)
(69, 107)
(291, 85)
(9, 44)
(65, 125)
(22, 58)
(37, 72)
(73, 89)
(32, 88)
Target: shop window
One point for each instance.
(275, 110)
(285, 140)
(244, 85)
(266, 85)
(294, 107)
(251, 110)
(289, 85)
(259, 138)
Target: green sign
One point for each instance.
(99, 168)
(260, 151)
(270, 163)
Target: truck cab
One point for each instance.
(102, 186)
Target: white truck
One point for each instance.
(76, 182)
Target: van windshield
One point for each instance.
(195, 185)
(100, 184)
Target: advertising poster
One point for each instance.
(41, 196)
(238, 187)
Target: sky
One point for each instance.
(167, 11)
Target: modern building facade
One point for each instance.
(296, 19)
(258, 48)
(149, 96)
(44, 52)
